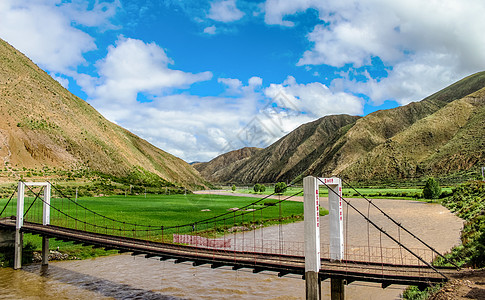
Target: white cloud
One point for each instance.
(225, 11)
(210, 30)
(277, 10)
(427, 45)
(41, 31)
(98, 15)
(234, 85)
(62, 80)
(190, 127)
(313, 99)
(132, 67)
(255, 81)
(411, 80)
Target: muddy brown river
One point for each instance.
(128, 277)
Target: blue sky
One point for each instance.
(200, 78)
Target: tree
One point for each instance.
(432, 189)
(233, 188)
(280, 188)
(262, 188)
(257, 188)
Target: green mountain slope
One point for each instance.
(44, 125)
(450, 140)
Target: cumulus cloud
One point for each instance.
(210, 30)
(313, 99)
(233, 84)
(255, 81)
(44, 34)
(190, 127)
(62, 80)
(411, 80)
(43, 30)
(131, 67)
(430, 38)
(98, 15)
(225, 11)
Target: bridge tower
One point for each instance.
(20, 221)
(312, 234)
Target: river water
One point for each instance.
(128, 277)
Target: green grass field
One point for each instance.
(386, 193)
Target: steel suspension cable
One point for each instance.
(184, 225)
(36, 197)
(242, 213)
(383, 231)
(5, 207)
(399, 225)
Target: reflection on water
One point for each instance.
(127, 277)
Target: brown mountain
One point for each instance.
(441, 135)
(42, 125)
(208, 169)
(289, 156)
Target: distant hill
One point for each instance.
(441, 135)
(43, 126)
(209, 169)
(286, 158)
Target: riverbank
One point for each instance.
(469, 284)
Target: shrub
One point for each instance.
(262, 188)
(233, 188)
(280, 188)
(432, 189)
(257, 188)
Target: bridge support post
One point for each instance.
(19, 222)
(337, 289)
(19, 243)
(46, 218)
(312, 237)
(312, 284)
(45, 250)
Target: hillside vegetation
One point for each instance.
(468, 202)
(45, 131)
(442, 135)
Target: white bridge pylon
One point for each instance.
(20, 220)
(312, 220)
(45, 205)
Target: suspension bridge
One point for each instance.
(211, 242)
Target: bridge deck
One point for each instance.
(283, 264)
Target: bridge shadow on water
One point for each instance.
(97, 285)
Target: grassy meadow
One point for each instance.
(368, 192)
